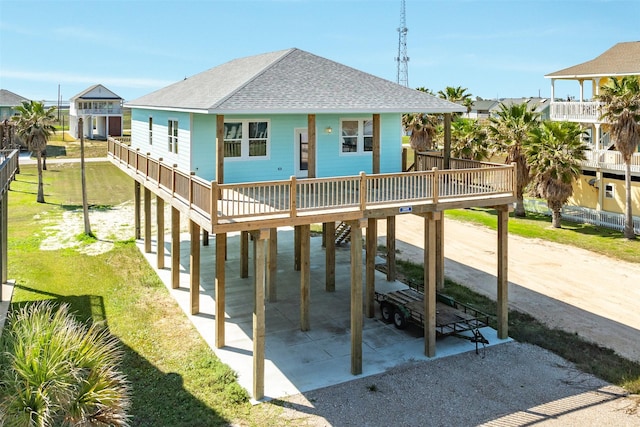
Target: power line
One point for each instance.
(402, 59)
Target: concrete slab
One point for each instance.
(297, 361)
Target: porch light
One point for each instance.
(328, 129)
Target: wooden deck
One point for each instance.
(237, 207)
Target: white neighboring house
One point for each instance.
(100, 110)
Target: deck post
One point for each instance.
(219, 288)
(296, 248)
(220, 149)
(136, 209)
(311, 139)
(356, 298)
(305, 276)
(175, 248)
(440, 252)
(372, 240)
(330, 257)
(430, 283)
(503, 282)
(147, 220)
(194, 265)
(259, 314)
(244, 254)
(4, 236)
(375, 156)
(391, 248)
(447, 141)
(272, 266)
(160, 232)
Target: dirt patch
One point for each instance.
(109, 225)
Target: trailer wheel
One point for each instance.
(399, 320)
(387, 311)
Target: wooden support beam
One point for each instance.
(503, 266)
(160, 232)
(440, 253)
(175, 248)
(330, 257)
(372, 246)
(391, 248)
(447, 141)
(136, 209)
(4, 240)
(296, 247)
(430, 284)
(244, 254)
(147, 220)
(376, 144)
(305, 276)
(221, 250)
(311, 139)
(220, 149)
(272, 266)
(356, 298)
(194, 264)
(259, 317)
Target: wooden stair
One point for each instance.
(343, 233)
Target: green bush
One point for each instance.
(56, 371)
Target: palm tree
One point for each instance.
(458, 95)
(55, 371)
(35, 124)
(621, 110)
(469, 140)
(509, 131)
(554, 154)
(422, 127)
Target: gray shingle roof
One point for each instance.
(95, 92)
(620, 60)
(10, 99)
(290, 81)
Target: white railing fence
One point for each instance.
(584, 215)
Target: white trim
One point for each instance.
(296, 153)
(244, 148)
(360, 137)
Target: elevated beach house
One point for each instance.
(100, 110)
(601, 186)
(289, 138)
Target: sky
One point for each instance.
(494, 48)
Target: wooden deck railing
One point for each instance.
(299, 197)
(8, 168)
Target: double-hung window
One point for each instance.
(173, 136)
(357, 135)
(245, 139)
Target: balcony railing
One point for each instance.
(98, 111)
(610, 160)
(8, 168)
(355, 196)
(575, 111)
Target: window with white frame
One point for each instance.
(357, 135)
(173, 136)
(609, 191)
(246, 139)
(150, 130)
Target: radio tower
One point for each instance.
(402, 59)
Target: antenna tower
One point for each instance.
(402, 59)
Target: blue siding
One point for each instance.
(197, 133)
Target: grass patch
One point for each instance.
(538, 226)
(175, 377)
(588, 357)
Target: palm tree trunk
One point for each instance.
(40, 198)
(628, 221)
(556, 217)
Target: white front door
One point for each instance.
(301, 152)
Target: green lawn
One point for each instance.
(175, 377)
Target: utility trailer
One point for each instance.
(402, 306)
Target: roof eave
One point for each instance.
(338, 111)
(588, 76)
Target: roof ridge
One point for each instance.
(284, 54)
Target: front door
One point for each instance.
(301, 152)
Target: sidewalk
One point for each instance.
(562, 286)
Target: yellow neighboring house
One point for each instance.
(601, 187)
